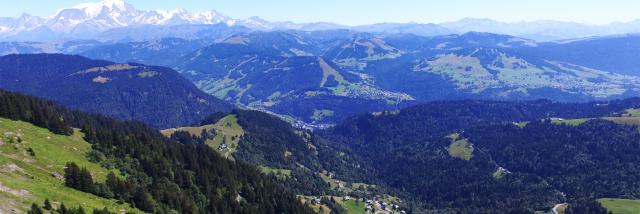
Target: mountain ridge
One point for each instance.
(158, 96)
(375, 73)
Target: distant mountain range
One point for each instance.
(545, 30)
(325, 76)
(321, 73)
(118, 20)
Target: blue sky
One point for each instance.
(353, 12)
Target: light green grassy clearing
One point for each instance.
(356, 186)
(521, 124)
(192, 130)
(38, 177)
(321, 114)
(570, 122)
(624, 120)
(499, 173)
(332, 183)
(621, 206)
(227, 131)
(461, 149)
(629, 117)
(280, 173)
(632, 112)
(343, 186)
(353, 206)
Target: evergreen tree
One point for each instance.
(47, 204)
(62, 209)
(35, 209)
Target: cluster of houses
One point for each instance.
(372, 206)
(375, 205)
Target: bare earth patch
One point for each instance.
(20, 193)
(11, 167)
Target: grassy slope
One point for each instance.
(570, 122)
(318, 208)
(280, 173)
(628, 117)
(353, 207)
(632, 112)
(499, 173)
(25, 179)
(621, 206)
(227, 127)
(319, 114)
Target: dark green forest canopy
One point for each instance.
(545, 163)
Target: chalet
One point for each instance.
(222, 146)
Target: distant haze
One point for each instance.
(358, 12)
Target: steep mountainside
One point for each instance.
(156, 95)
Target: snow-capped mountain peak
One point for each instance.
(95, 17)
(89, 20)
(96, 8)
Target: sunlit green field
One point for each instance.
(621, 206)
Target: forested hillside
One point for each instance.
(155, 95)
(154, 174)
(482, 156)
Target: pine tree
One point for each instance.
(71, 175)
(103, 211)
(62, 209)
(47, 204)
(35, 209)
(86, 181)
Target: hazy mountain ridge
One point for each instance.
(276, 70)
(542, 30)
(308, 75)
(116, 19)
